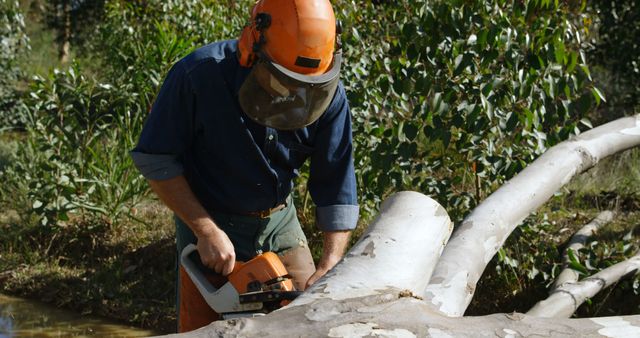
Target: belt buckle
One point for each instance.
(264, 213)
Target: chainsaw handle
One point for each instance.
(194, 255)
(222, 300)
(195, 269)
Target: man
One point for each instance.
(231, 126)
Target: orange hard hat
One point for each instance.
(299, 35)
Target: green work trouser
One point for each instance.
(280, 233)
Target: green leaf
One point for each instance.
(597, 94)
(573, 61)
(586, 122)
(512, 121)
(411, 131)
(482, 38)
(575, 264)
(582, 105)
(446, 138)
(559, 52)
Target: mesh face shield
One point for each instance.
(279, 98)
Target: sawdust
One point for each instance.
(408, 293)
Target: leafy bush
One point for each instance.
(13, 41)
(451, 98)
(75, 158)
(613, 53)
(75, 162)
(139, 41)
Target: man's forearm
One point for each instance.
(333, 248)
(178, 196)
(215, 249)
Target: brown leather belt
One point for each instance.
(265, 213)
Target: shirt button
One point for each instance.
(270, 137)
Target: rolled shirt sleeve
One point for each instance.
(167, 132)
(332, 182)
(337, 217)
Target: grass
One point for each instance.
(125, 271)
(619, 173)
(8, 147)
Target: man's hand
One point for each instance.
(334, 245)
(216, 251)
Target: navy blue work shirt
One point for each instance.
(196, 128)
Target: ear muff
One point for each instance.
(252, 39)
(246, 55)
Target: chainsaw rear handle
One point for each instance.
(222, 300)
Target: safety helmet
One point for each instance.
(293, 48)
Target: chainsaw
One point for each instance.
(253, 288)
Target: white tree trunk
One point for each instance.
(484, 231)
(391, 313)
(566, 299)
(576, 243)
(399, 249)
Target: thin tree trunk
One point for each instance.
(65, 32)
(566, 299)
(576, 243)
(484, 231)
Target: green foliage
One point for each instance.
(75, 162)
(84, 16)
(531, 259)
(75, 158)
(613, 53)
(140, 41)
(451, 98)
(13, 42)
(530, 256)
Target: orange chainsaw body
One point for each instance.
(261, 273)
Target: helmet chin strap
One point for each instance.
(262, 22)
(338, 34)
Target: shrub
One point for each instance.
(613, 54)
(75, 158)
(451, 98)
(13, 41)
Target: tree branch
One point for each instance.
(484, 231)
(566, 299)
(577, 242)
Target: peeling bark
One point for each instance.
(388, 314)
(484, 231)
(576, 243)
(566, 299)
